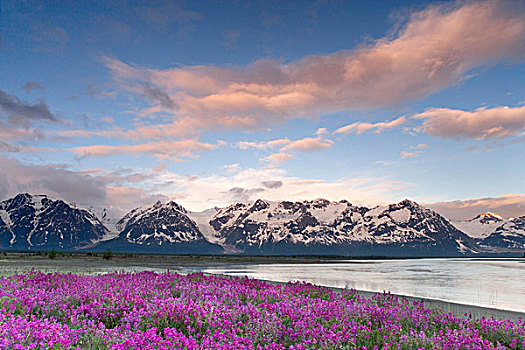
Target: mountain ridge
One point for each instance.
(317, 227)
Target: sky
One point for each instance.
(119, 104)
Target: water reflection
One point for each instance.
(485, 282)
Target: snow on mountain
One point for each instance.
(109, 220)
(510, 235)
(160, 227)
(321, 226)
(38, 222)
(481, 226)
(262, 227)
(202, 220)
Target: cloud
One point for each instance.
(308, 144)
(507, 205)
(481, 124)
(437, 47)
(51, 179)
(124, 189)
(158, 96)
(96, 91)
(203, 192)
(361, 127)
(33, 85)
(277, 158)
(122, 199)
(7, 132)
(417, 151)
(420, 146)
(7, 147)
(97, 187)
(384, 162)
(23, 113)
(238, 194)
(272, 184)
(173, 150)
(405, 154)
(231, 168)
(10, 148)
(264, 145)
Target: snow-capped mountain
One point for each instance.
(510, 235)
(38, 222)
(324, 227)
(480, 227)
(263, 227)
(161, 227)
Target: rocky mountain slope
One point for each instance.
(263, 227)
(480, 227)
(324, 227)
(37, 222)
(160, 228)
(509, 235)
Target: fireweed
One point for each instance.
(170, 311)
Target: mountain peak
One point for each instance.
(177, 206)
(488, 217)
(408, 203)
(30, 221)
(171, 204)
(320, 203)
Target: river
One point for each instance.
(495, 283)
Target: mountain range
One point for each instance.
(317, 227)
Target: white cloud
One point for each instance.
(199, 193)
(361, 127)
(480, 124)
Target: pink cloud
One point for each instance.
(8, 133)
(165, 150)
(481, 124)
(361, 127)
(278, 158)
(420, 146)
(308, 144)
(417, 150)
(437, 47)
(507, 205)
(405, 154)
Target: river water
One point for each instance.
(495, 283)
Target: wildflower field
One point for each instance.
(171, 311)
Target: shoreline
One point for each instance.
(456, 309)
(188, 264)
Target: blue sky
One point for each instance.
(122, 103)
